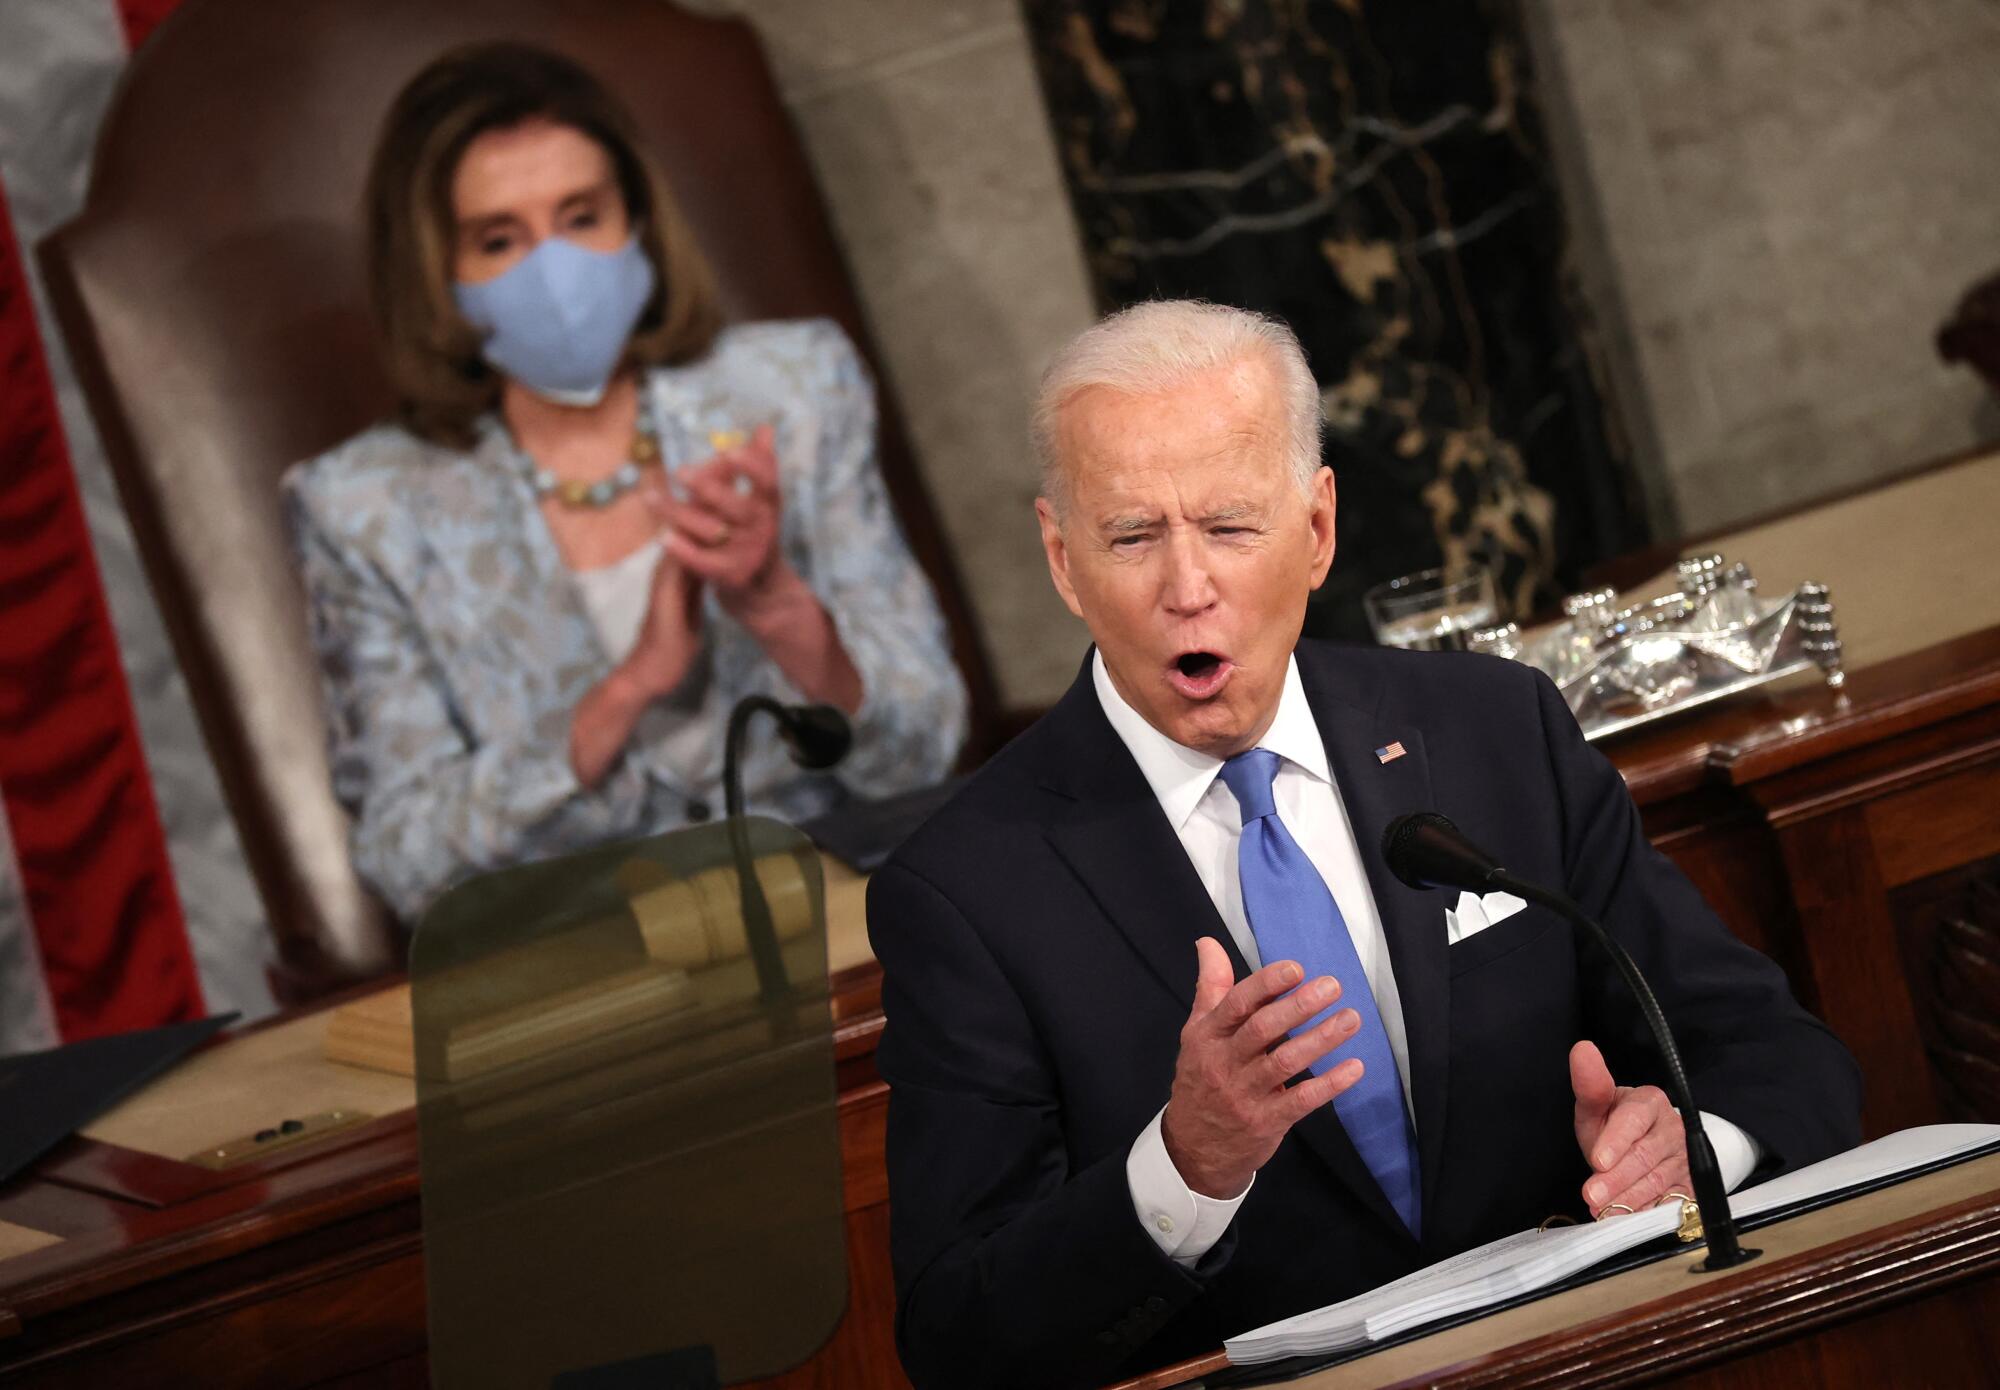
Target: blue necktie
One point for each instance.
(1294, 917)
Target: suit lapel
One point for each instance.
(1374, 793)
(1119, 843)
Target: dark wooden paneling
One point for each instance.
(864, 1122)
(1939, 825)
(1852, 957)
(1948, 927)
(1732, 856)
(403, 1373)
(1942, 1341)
(289, 1328)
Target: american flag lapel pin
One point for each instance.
(1389, 753)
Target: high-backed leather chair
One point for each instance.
(211, 295)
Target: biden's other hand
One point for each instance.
(1631, 1136)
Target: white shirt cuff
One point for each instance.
(1736, 1153)
(1182, 1222)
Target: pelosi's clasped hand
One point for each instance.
(724, 529)
(670, 636)
(721, 523)
(1230, 1107)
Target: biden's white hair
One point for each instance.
(1155, 347)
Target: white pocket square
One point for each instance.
(1474, 915)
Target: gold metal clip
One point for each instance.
(1690, 1231)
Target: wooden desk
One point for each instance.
(1852, 834)
(1899, 1287)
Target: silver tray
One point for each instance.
(1715, 636)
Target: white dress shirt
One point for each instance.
(1203, 812)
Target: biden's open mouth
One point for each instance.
(1199, 675)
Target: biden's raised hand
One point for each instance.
(1230, 1106)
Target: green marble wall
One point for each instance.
(1376, 174)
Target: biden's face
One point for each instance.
(1188, 549)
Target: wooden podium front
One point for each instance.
(1853, 834)
(1893, 1288)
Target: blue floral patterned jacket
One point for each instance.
(454, 645)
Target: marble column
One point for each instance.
(1376, 174)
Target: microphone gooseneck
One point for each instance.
(1425, 850)
(817, 736)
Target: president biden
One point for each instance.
(1171, 1053)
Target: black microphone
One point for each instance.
(817, 736)
(1425, 850)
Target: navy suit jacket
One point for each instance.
(1037, 937)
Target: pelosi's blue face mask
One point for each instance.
(558, 319)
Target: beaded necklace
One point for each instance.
(643, 454)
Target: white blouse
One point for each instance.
(616, 597)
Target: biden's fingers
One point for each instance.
(1301, 1100)
(1267, 1027)
(1635, 1115)
(1213, 978)
(1252, 993)
(1590, 1081)
(1663, 1142)
(1294, 1055)
(1645, 1190)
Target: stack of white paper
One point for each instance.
(1872, 1162)
(1532, 1260)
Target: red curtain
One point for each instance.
(78, 797)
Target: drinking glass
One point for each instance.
(1432, 610)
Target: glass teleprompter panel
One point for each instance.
(626, 1107)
